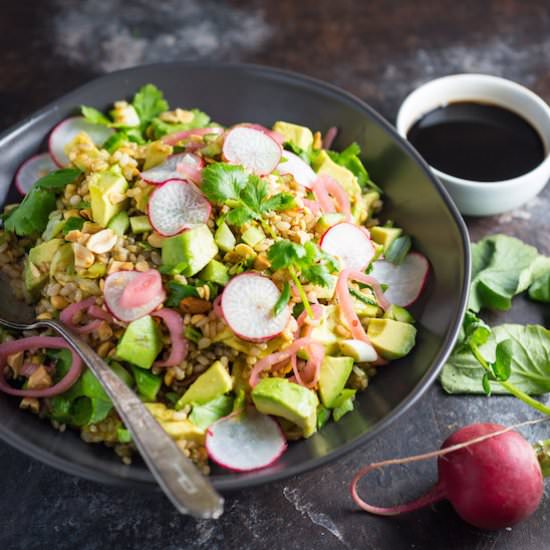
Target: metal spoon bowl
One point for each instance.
(190, 492)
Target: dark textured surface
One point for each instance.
(379, 51)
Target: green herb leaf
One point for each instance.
(540, 289)
(284, 253)
(486, 384)
(502, 267)
(323, 416)
(502, 367)
(283, 300)
(31, 216)
(349, 158)
(398, 250)
(71, 224)
(222, 182)
(149, 102)
(160, 128)
(94, 116)
(476, 331)
(177, 292)
(529, 349)
(116, 141)
(279, 203)
(191, 333)
(239, 216)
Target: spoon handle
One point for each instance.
(190, 492)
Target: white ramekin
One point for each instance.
(475, 198)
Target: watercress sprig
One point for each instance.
(477, 333)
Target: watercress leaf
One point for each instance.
(240, 215)
(149, 102)
(540, 289)
(502, 367)
(398, 250)
(501, 269)
(283, 300)
(94, 116)
(529, 369)
(222, 182)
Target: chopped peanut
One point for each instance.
(102, 241)
(40, 379)
(83, 258)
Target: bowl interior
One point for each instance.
(413, 198)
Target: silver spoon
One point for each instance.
(190, 492)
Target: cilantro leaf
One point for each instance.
(239, 216)
(283, 254)
(177, 292)
(71, 224)
(279, 203)
(254, 193)
(31, 216)
(222, 182)
(94, 116)
(149, 102)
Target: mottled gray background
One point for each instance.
(379, 51)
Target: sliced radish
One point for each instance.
(175, 206)
(359, 350)
(32, 170)
(68, 129)
(301, 171)
(141, 289)
(405, 281)
(253, 149)
(247, 306)
(113, 291)
(168, 169)
(279, 138)
(350, 244)
(244, 443)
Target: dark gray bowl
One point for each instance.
(413, 198)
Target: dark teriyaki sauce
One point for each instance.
(477, 141)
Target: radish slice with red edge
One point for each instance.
(279, 138)
(243, 443)
(68, 129)
(350, 244)
(247, 305)
(300, 170)
(141, 289)
(115, 284)
(405, 281)
(254, 150)
(32, 170)
(167, 170)
(175, 206)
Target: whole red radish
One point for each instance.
(489, 473)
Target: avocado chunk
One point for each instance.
(119, 223)
(33, 279)
(392, 339)
(325, 165)
(44, 252)
(279, 397)
(299, 135)
(103, 186)
(176, 429)
(210, 384)
(253, 236)
(398, 313)
(385, 235)
(140, 224)
(224, 238)
(189, 251)
(326, 221)
(325, 332)
(141, 342)
(334, 374)
(215, 272)
(63, 260)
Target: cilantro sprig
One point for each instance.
(247, 195)
(349, 158)
(31, 216)
(307, 262)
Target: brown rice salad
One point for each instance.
(215, 269)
